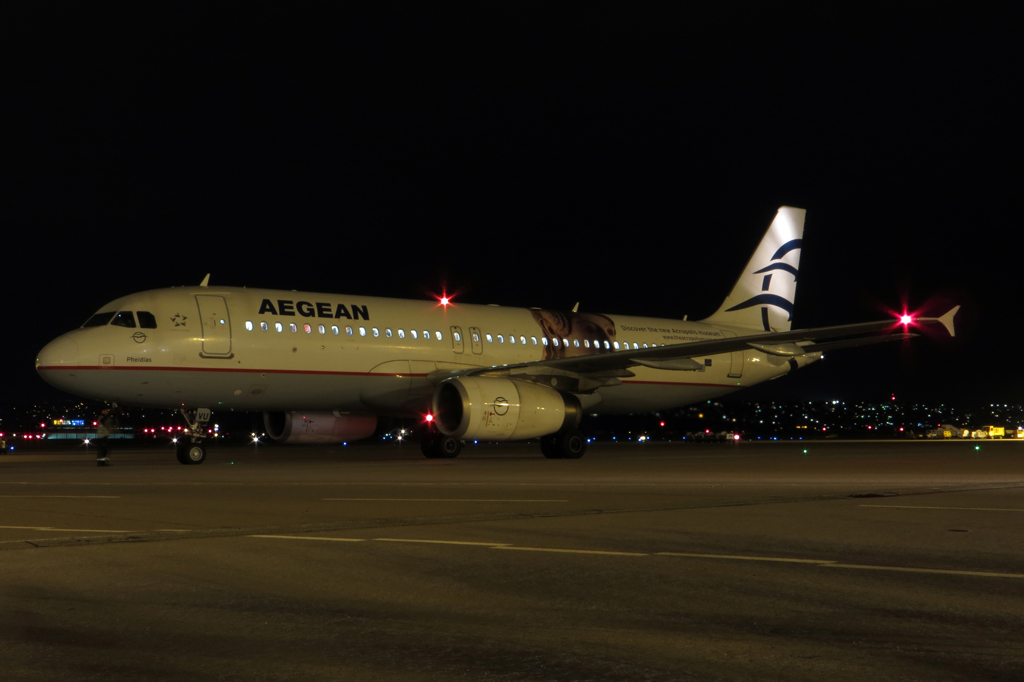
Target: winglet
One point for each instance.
(947, 321)
(576, 308)
(206, 281)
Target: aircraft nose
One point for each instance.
(60, 353)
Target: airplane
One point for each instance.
(323, 367)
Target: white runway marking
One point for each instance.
(567, 551)
(909, 506)
(983, 574)
(70, 530)
(822, 563)
(441, 542)
(308, 537)
(739, 557)
(421, 499)
(76, 497)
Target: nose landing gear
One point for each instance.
(190, 449)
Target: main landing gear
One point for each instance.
(568, 444)
(436, 445)
(190, 448)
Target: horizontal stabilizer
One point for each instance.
(947, 321)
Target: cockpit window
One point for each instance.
(146, 320)
(99, 319)
(125, 318)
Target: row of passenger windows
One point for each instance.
(124, 318)
(401, 333)
(349, 331)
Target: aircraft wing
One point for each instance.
(679, 356)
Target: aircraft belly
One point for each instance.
(247, 391)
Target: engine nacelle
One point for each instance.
(487, 408)
(318, 427)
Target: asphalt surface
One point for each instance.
(749, 561)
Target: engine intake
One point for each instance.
(317, 427)
(488, 408)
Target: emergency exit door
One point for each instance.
(458, 344)
(216, 326)
(474, 337)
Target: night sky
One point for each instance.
(627, 161)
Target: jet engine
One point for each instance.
(317, 427)
(488, 408)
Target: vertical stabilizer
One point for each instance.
(764, 294)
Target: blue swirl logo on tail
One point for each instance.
(766, 299)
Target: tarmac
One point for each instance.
(660, 561)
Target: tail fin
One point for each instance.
(764, 294)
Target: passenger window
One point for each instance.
(489, 339)
(458, 336)
(544, 340)
(534, 339)
(322, 329)
(387, 332)
(522, 340)
(511, 338)
(125, 318)
(426, 335)
(146, 320)
(414, 334)
(501, 339)
(264, 326)
(576, 342)
(439, 336)
(401, 333)
(376, 332)
(636, 346)
(586, 343)
(476, 337)
(607, 345)
(555, 341)
(335, 330)
(293, 327)
(248, 325)
(348, 330)
(362, 331)
(308, 329)
(99, 319)
(616, 345)
(278, 326)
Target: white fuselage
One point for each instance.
(221, 348)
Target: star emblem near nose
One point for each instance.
(179, 320)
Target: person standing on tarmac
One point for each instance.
(106, 426)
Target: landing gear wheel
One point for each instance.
(191, 453)
(440, 447)
(564, 445)
(572, 444)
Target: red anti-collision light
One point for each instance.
(906, 319)
(429, 418)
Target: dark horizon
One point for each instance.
(630, 168)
